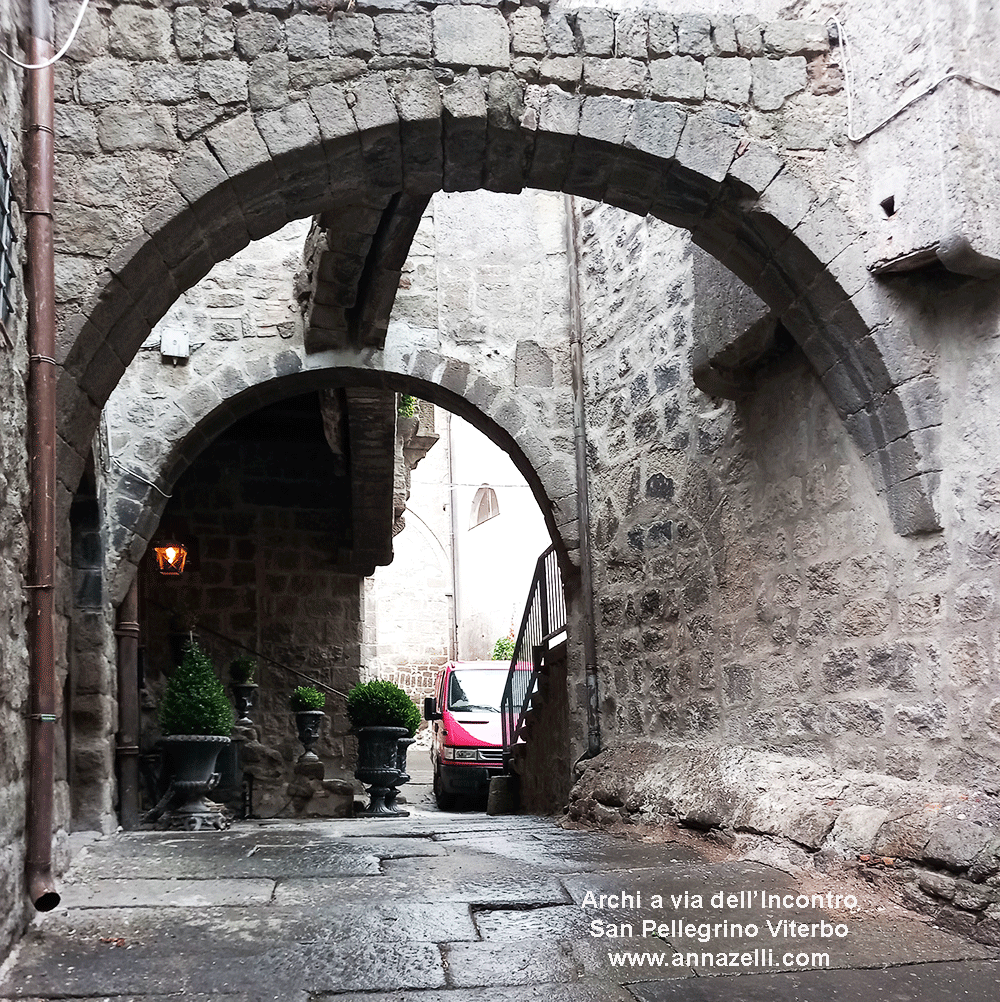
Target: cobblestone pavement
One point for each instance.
(460, 907)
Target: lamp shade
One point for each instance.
(171, 556)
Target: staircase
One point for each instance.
(540, 641)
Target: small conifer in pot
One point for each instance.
(195, 701)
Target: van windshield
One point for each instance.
(479, 689)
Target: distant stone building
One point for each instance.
(765, 274)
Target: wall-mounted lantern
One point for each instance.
(170, 558)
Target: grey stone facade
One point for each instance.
(801, 565)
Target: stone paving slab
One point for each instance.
(578, 853)
(579, 991)
(499, 890)
(87, 969)
(211, 928)
(924, 983)
(123, 893)
(255, 854)
(501, 965)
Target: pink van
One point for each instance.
(464, 713)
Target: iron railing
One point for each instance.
(544, 619)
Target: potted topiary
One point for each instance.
(243, 687)
(382, 716)
(196, 720)
(307, 704)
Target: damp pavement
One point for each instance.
(460, 907)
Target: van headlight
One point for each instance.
(459, 754)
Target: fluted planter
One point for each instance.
(402, 746)
(191, 759)
(245, 698)
(378, 768)
(309, 723)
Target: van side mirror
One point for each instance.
(430, 708)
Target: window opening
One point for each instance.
(484, 506)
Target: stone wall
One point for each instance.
(262, 518)
(751, 590)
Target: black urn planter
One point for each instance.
(245, 698)
(190, 759)
(309, 723)
(402, 746)
(378, 768)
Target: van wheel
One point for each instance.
(445, 801)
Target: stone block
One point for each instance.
(662, 35)
(527, 33)
(596, 29)
(841, 670)
(561, 69)
(631, 35)
(105, 82)
(403, 34)
(622, 76)
(559, 112)
(656, 129)
(307, 36)
(724, 37)
(795, 38)
(372, 105)
(92, 37)
(922, 401)
(238, 145)
(774, 80)
(225, 82)
(312, 73)
(329, 104)
(141, 34)
(188, 27)
(694, 35)
(268, 81)
(606, 119)
(471, 36)
(165, 84)
(680, 78)
(749, 35)
(257, 33)
(911, 505)
(559, 34)
(706, 147)
(76, 130)
(198, 174)
(217, 40)
(727, 80)
(352, 35)
(136, 127)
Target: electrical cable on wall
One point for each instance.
(848, 87)
(62, 52)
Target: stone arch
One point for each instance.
(140, 498)
(468, 115)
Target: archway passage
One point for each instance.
(356, 119)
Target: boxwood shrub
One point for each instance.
(382, 704)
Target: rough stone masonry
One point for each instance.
(795, 571)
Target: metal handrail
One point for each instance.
(544, 618)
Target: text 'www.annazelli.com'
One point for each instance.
(750, 958)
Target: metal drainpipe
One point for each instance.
(127, 749)
(41, 447)
(582, 491)
(453, 531)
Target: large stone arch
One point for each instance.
(466, 98)
(139, 502)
